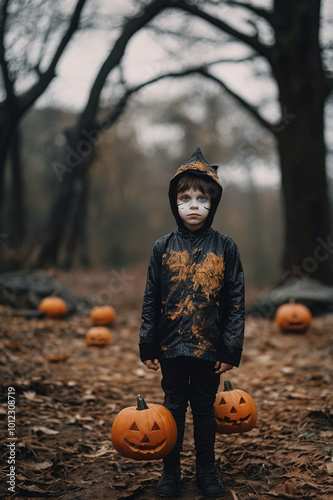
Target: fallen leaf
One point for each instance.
(13, 345)
(329, 467)
(57, 358)
(42, 465)
(140, 372)
(45, 430)
(298, 395)
(101, 452)
(30, 395)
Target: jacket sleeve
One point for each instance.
(233, 307)
(152, 305)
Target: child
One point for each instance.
(193, 317)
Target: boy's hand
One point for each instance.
(222, 367)
(152, 364)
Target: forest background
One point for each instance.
(128, 184)
(120, 204)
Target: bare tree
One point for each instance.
(80, 145)
(294, 54)
(27, 70)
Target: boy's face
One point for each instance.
(193, 208)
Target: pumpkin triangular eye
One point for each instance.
(155, 427)
(233, 410)
(242, 401)
(222, 402)
(134, 427)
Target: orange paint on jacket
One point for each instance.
(197, 279)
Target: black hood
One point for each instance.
(196, 165)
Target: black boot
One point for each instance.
(168, 485)
(207, 481)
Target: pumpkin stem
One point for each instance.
(228, 385)
(142, 405)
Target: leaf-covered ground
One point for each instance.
(67, 396)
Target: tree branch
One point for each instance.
(43, 46)
(132, 26)
(265, 123)
(73, 26)
(252, 41)
(3, 63)
(110, 119)
(29, 97)
(329, 85)
(265, 14)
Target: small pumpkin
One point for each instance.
(292, 317)
(144, 432)
(235, 410)
(98, 335)
(54, 307)
(102, 315)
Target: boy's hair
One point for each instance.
(198, 183)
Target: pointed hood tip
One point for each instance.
(197, 156)
(199, 165)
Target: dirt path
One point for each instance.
(67, 396)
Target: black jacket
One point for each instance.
(194, 298)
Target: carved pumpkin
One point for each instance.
(145, 432)
(98, 335)
(293, 317)
(235, 411)
(102, 315)
(55, 307)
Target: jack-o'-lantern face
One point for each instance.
(136, 437)
(98, 335)
(293, 317)
(144, 433)
(102, 315)
(235, 411)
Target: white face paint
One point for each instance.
(193, 208)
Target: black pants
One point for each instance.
(191, 380)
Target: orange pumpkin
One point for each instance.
(145, 432)
(102, 315)
(293, 317)
(98, 335)
(55, 307)
(235, 410)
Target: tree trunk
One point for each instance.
(77, 241)
(7, 126)
(297, 66)
(83, 134)
(77, 158)
(17, 188)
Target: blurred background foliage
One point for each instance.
(89, 142)
(128, 183)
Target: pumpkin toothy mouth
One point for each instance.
(145, 448)
(228, 420)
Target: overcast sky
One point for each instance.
(145, 57)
